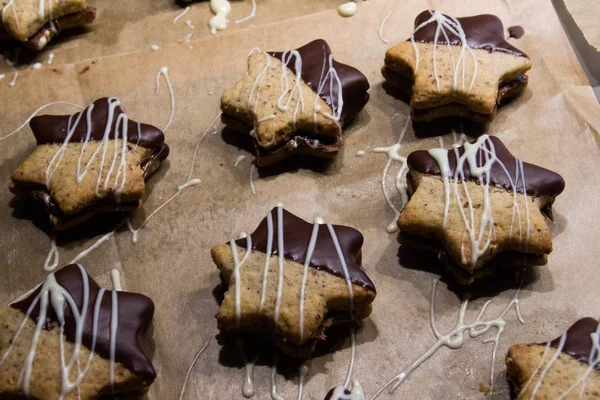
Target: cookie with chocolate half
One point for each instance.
(291, 280)
(36, 22)
(295, 102)
(567, 367)
(96, 160)
(69, 338)
(480, 208)
(456, 67)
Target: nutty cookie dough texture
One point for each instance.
(69, 338)
(291, 280)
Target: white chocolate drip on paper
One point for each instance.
(188, 23)
(164, 71)
(181, 14)
(252, 169)
(53, 295)
(189, 371)
(382, 25)
(453, 26)
(360, 153)
(393, 155)
(302, 372)
(37, 66)
(50, 58)
(53, 257)
(248, 385)
(14, 79)
(154, 47)
(221, 8)
(251, 15)
(455, 338)
(479, 236)
(348, 9)
(340, 392)
(2, 76)
(239, 159)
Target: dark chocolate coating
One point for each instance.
(49, 129)
(578, 343)
(354, 84)
(483, 31)
(516, 32)
(538, 181)
(135, 314)
(296, 237)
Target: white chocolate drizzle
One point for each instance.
(393, 155)
(115, 277)
(2, 76)
(251, 15)
(455, 338)
(252, 169)
(329, 77)
(382, 25)
(189, 371)
(221, 8)
(53, 257)
(37, 65)
(14, 79)
(348, 9)
(53, 295)
(453, 26)
(188, 23)
(50, 58)
(181, 14)
(248, 386)
(154, 47)
(164, 71)
(479, 236)
(239, 159)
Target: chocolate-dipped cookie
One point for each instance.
(94, 161)
(36, 22)
(480, 208)
(295, 102)
(567, 367)
(69, 338)
(456, 67)
(291, 280)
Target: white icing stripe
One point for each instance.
(394, 155)
(164, 71)
(302, 372)
(338, 249)
(274, 394)
(530, 380)
(267, 260)
(14, 79)
(248, 386)
(188, 23)
(381, 27)
(252, 13)
(280, 259)
(114, 326)
(53, 295)
(181, 14)
(456, 338)
(453, 25)
(252, 169)
(594, 362)
(53, 257)
(309, 252)
(236, 272)
(189, 371)
(115, 277)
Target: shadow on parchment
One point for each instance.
(489, 286)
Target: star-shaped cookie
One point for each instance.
(69, 338)
(480, 207)
(317, 283)
(295, 102)
(567, 367)
(36, 22)
(456, 67)
(78, 170)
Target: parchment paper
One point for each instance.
(555, 123)
(586, 15)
